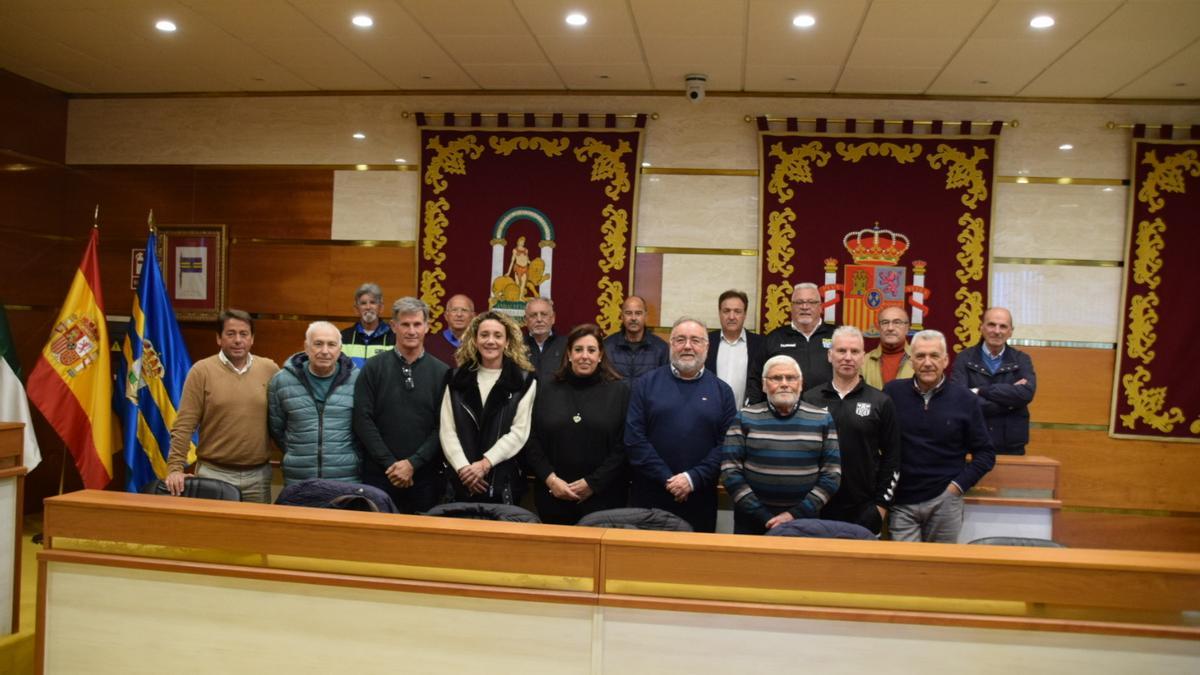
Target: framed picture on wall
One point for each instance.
(193, 259)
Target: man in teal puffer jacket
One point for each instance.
(311, 408)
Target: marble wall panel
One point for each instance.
(1076, 222)
(380, 205)
(1059, 302)
(692, 283)
(698, 211)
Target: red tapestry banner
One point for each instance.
(509, 215)
(876, 221)
(1155, 391)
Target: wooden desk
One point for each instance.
(1017, 498)
(317, 590)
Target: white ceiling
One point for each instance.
(1097, 49)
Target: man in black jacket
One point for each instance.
(806, 338)
(735, 354)
(868, 436)
(544, 345)
(397, 400)
(1002, 378)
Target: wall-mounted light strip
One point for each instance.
(1062, 180)
(686, 171)
(1070, 344)
(1008, 260)
(680, 250)
(364, 243)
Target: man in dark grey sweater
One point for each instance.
(396, 403)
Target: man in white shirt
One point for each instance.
(735, 354)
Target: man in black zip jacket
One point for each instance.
(868, 436)
(806, 338)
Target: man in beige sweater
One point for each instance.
(225, 397)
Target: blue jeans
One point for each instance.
(937, 520)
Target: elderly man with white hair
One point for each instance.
(310, 405)
(678, 414)
(780, 458)
(940, 423)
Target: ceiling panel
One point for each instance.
(1005, 52)
(1098, 48)
(1134, 39)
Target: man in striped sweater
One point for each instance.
(780, 457)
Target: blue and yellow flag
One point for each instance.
(152, 370)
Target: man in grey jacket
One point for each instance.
(310, 409)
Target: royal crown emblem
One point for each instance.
(75, 344)
(874, 281)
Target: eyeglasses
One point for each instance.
(779, 379)
(806, 302)
(458, 310)
(893, 322)
(406, 371)
(681, 340)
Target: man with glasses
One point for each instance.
(892, 359)
(397, 400)
(459, 311)
(678, 414)
(780, 459)
(545, 346)
(806, 339)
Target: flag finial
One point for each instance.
(96, 218)
(150, 220)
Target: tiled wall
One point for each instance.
(1053, 244)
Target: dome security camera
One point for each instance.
(694, 86)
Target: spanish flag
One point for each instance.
(71, 382)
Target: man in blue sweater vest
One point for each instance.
(940, 423)
(678, 414)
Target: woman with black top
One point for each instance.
(486, 411)
(577, 448)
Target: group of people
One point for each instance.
(801, 423)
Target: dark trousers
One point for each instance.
(423, 495)
(699, 509)
(556, 511)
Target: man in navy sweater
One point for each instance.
(678, 414)
(940, 423)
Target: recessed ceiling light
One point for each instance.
(1107, 189)
(1041, 21)
(804, 21)
(362, 21)
(166, 26)
(1066, 146)
(645, 163)
(576, 19)
(401, 160)
(358, 135)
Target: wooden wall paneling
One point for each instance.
(1083, 529)
(1074, 385)
(1101, 471)
(31, 199)
(126, 194)
(279, 279)
(33, 118)
(266, 202)
(392, 267)
(647, 283)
